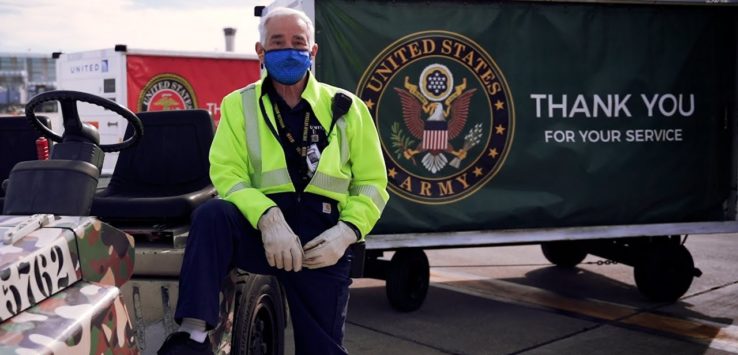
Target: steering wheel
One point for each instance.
(72, 123)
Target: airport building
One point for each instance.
(23, 75)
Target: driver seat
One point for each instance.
(165, 176)
(62, 185)
(17, 144)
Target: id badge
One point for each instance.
(312, 157)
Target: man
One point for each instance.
(299, 168)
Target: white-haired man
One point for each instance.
(299, 169)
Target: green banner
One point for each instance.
(519, 115)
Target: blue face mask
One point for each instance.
(287, 66)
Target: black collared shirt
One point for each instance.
(294, 121)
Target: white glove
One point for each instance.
(283, 248)
(329, 246)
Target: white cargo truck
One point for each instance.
(150, 80)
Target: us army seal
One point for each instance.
(444, 113)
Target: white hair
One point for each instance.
(282, 12)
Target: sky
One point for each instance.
(47, 26)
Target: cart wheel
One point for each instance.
(564, 253)
(664, 272)
(259, 322)
(408, 277)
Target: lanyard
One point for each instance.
(302, 147)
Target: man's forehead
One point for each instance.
(273, 34)
(287, 22)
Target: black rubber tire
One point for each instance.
(408, 277)
(564, 253)
(664, 273)
(259, 322)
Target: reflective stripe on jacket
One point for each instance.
(247, 162)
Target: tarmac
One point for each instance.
(511, 300)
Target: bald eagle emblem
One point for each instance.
(444, 114)
(165, 92)
(435, 113)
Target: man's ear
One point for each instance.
(259, 51)
(314, 51)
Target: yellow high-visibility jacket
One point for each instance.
(247, 162)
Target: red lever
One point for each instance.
(42, 148)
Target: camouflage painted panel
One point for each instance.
(106, 254)
(59, 221)
(85, 318)
(35, 267)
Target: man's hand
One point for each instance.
(283, 248)
(329, 246)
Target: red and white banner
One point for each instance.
(157, 83)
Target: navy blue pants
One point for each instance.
(221, 238)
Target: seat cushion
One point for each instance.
(165, 176)
(162, 209)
